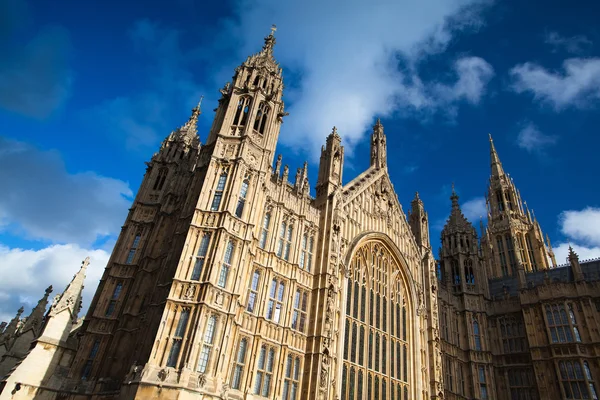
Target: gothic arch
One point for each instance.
(379, 324)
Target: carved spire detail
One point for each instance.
(71, 297)
(35, 319)
(495, 160)
(378, 146)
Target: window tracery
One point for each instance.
(382, 316)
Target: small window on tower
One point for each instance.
(261, 117)
(133, 249)
(219, 192)
(160, 179)
(241, 114)
(242, 199)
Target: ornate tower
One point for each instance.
(331, 166)
(125, 313)
(513, 240)
(460, 265)
(463, 310)
(48, 353)
(193, 344)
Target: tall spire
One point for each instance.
(378, 146)
(71, 297)
(11, 328)
(454, 198)
(190, 129)
(35, 319)
(270, 42)
(495, 160)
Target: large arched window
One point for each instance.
(376, 345)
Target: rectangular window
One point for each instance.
(253, 291)
(113, 300)
(226, 264)
(87, 367)
(285, 240)
(264, 231)
(292, 378)
(240, 362)
(216, 203)
(275, 305)
(501, 255)
(511, 253)
(178, 337)
(242, 199)
(207, 345)
(133, 249)
(306, 253)
(300, 308)
(201, 256)
(482, 383)
(264, 373)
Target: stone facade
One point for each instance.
(513, 324)
(228, 281)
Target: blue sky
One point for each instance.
(89, 89)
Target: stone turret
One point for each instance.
(330, 166)
(36, 360)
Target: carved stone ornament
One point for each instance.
(189, 293)
(163, 374)
(201, 380)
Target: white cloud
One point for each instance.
(582, 226)
(578, 86)
(574, 44)
(561, 252)
(43, 201)
(348, 60)
(531, 139)
(582, 229)
(25, 274)
(474, 209)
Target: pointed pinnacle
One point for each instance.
(495, 160)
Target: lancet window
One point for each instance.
(113, 300)
(87, 367)
(241, 113)
(469, 274)
(456, 275)
(376, 345)
(261, 117)
(502, 256)
(201, 256)
(264, 373)
(264, 232)
(239, 209)
(133, 248)
(160, 179)
(226, 266)
(531, 253)
(218, 196)
(178, 337)
(306, 251)
(253, 291)
(240, 363)
(209, 334)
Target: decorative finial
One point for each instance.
(273, 29)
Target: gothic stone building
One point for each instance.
(228, 281)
